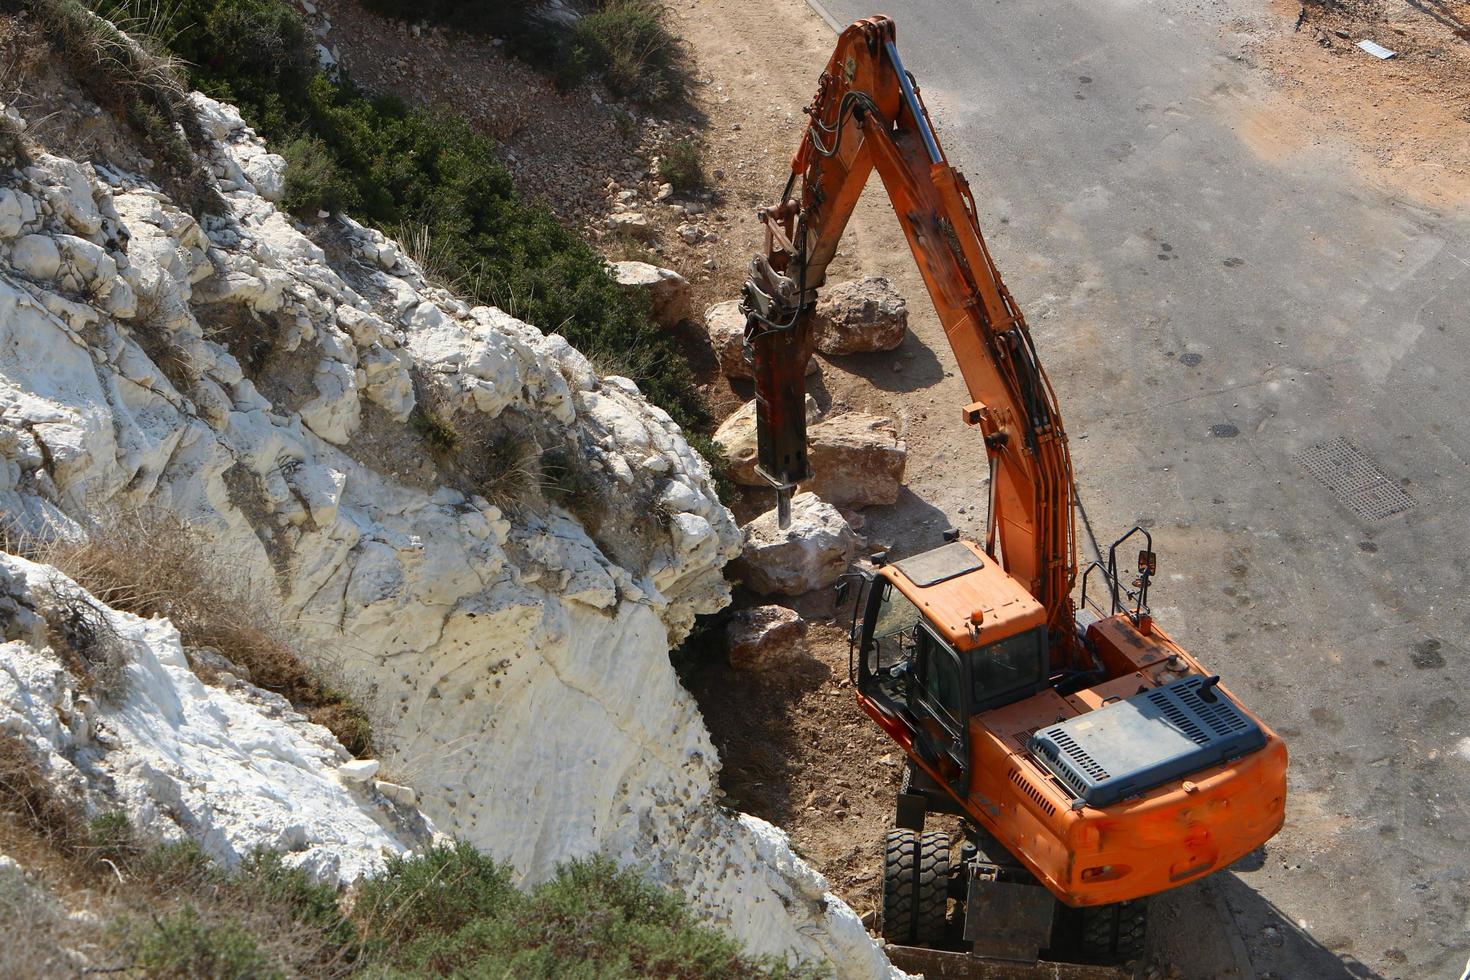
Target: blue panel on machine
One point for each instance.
(1156, 736)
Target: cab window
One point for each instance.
(942, 678)
(1008, 668)
(894, 629)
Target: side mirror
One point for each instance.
(1148, 563)
(839, 594)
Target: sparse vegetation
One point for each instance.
(568, 482)
(136, 77)
(626, 42)
(81, 633)
(152, 563)
(503, 467)
(167, 911)
(682, 165)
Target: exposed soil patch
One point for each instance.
(798, 751)
(1407, 118)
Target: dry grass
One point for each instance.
(151, 563)
(124, 65)
(81, 634)
(26, 795)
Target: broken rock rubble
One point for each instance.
(857, 459)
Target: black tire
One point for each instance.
(933, 892)
(915, 887)
(1112, 934)
(900, 855)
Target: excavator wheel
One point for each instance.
(1112, 934)
(915, 887)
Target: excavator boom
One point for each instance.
(868, 116)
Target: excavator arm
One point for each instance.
(868, 115)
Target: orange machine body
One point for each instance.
(1169, 836)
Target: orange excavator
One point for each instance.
(1093, 760)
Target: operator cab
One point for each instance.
(945, 635)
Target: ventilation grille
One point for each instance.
(1220, 716)
(1128, 747)
(1355, 479)
(1029, 788)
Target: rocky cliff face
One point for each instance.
(263, 385)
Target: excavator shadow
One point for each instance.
(1275, 944)
(911, 367)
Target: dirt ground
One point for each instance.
(1406, 118)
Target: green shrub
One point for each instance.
(444, 890)
(627, 42)
(455, 912)
(313, 182)
(682, 165)
(182, 945)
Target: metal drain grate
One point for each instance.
(1355, 479)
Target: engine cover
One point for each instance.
(1132, 746)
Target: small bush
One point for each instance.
(444, 890)
(183, 946)
(682, 165)
(81, 634)
(627, 42)
(503, 467)
(313, 181)
(455, 912)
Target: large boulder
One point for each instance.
(861, 317)
(667, 291)
(857, 460)
(765, 637)
(808, 555)
(726, 326)
(736, 436)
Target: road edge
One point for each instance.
(825, 14)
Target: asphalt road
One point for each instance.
(1209, 313)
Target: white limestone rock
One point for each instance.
(810, 554)
(36, 256)
(234, 770)
(633, 224)
(471, 624)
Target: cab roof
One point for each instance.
(955, 580)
